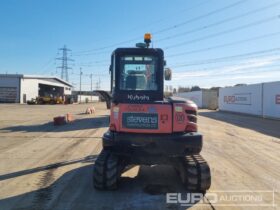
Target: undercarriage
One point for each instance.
(182, 155)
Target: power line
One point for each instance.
(47, 63)
(168, 15)
(225, 45)
(93, 53)
(213, 47)
(99, 75)
(228, 58)
(97, 85)
(222, 9)
(235, 72)
(95, 65)
(46, 66)
(221, 33)
(90, 86)
(216, 68)
(220, 61)
(108, 46)
(224, 32)
(87, 52)
(94, 62)
(81, 84)
(221, 21)
(201, 49)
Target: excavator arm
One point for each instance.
(106, 96)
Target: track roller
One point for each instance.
(195, 173)
(106, 171)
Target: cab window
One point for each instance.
(138, 73)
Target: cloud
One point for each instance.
(238, 69)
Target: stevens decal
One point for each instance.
(140, 120)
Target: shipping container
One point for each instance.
(86, 98)
(258, 99)
(271, 100)
(206, 99)
(195, 96)
(242, 99)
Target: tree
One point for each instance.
(215, 88)
(195, 88)
(183, 89)
(240, 85)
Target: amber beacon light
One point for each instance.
(147, 39)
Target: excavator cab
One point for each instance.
(146, 128)
(137, 75)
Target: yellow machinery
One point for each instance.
(46, 100)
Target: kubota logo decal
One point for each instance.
(242, 99)
(277, 99)
(138, 97)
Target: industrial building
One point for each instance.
(19, 88)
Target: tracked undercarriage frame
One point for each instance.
(193, 171)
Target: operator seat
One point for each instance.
(136, 81)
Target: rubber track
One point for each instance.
(105, 171)
(196, 173)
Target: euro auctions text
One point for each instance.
(223, 198)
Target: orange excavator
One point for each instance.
(145, 127)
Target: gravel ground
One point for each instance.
(48, 167)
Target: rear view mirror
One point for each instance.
(167, 74)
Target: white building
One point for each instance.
(19, 88)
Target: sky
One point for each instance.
(208, 43)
